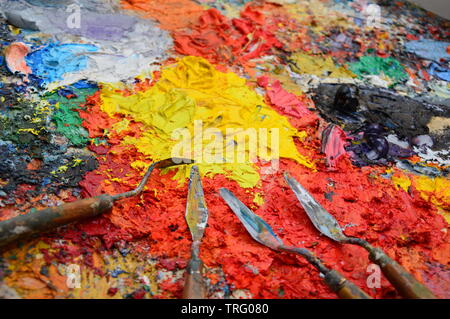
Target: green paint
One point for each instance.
(374, 65)
(68, 121)
(97, 141)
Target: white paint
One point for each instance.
(138, 52)
(20, 230)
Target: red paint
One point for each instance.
(404, 225)
(112, 291)
(382, 215)
(220, 39)
(284, 102)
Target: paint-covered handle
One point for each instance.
(403, 281)
(194, 287)
(35, 222)
(344, 288)
(336, 281)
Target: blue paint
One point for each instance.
(358, 21)
(85, 85)
(116, 272)
(45, 181)
(439, 72)
(429, 49)
(54, 60)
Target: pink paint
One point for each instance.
(287, 103)
(334, 140)
(15, 55)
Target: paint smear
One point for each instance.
(15, 54)
(171, 14)
(55, 60)
(334, 140)
(193, 91)
(323, 67)
(287, 103)
(374, 65)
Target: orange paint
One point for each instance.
(171, 14)
(15, 55)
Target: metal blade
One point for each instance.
(321, 219)
(168, 162)
(196, 211)
(173, 161)
(255, 225)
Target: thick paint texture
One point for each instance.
(366, 204)
(374, 65)
(286, 103)
(320, 66)
(15, 55)
(219, 39)
(334, 140)
(193, 91)
(171, 14)
(103, 45)
(429, 49)
(67, 119)
(52, 62)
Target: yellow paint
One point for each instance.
(437, 191)
(317, 65)
(14, 30)
(121, 126)
(402, 182)
(439, 124)
(137, 272)
(31, 130)
(194, 96)
(258, 199)
(61, 169)
(76, 162)
(140, 166)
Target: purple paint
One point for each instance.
(97, 26)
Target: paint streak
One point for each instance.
(370, 205)
(285, 102)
